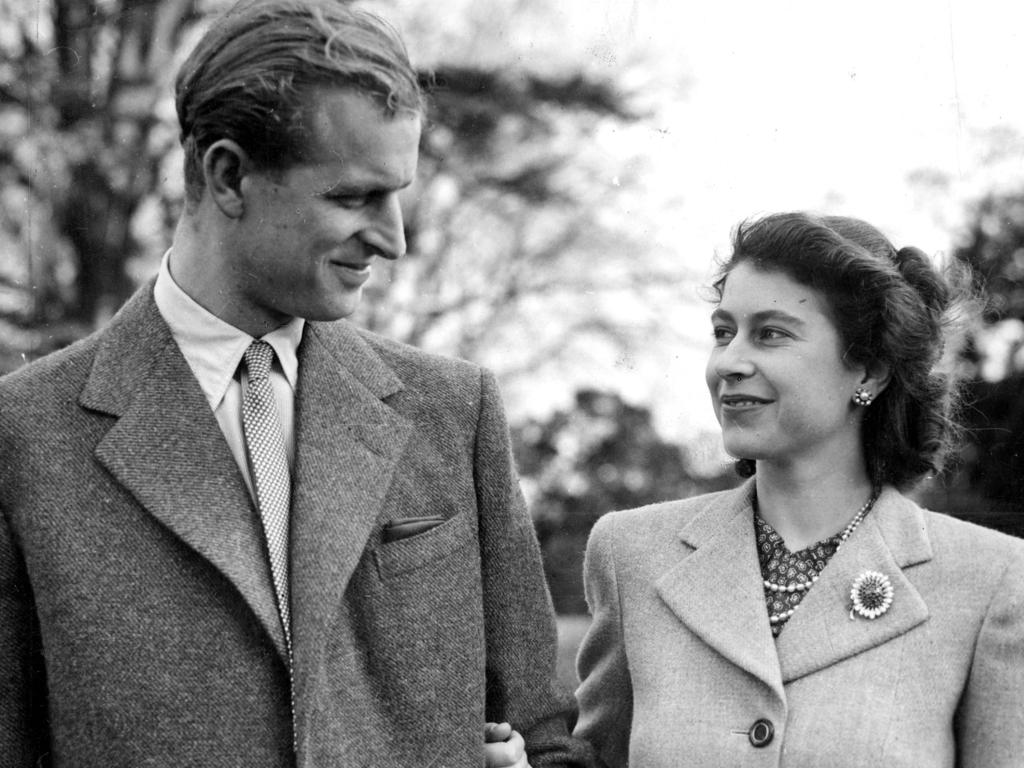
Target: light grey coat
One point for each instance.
(680, 662)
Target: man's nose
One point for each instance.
(385, 232)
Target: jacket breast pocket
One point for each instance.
(397, 557)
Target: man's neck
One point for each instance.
(198, 265)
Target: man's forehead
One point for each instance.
(349, 124)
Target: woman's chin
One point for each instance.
(743, 449)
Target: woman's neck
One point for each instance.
(807, 503)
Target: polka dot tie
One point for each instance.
(268, 465)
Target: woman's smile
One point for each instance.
(777, 365)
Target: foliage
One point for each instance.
(994, 457)
(520, 215)
(82, 139)
(993, 246)
(515, 231)
(602, 454)
(989, 483)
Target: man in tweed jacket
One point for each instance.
(139, 622)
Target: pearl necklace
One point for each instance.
(803, 586)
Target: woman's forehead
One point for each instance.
(748, 289)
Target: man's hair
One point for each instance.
(891, 307)
(252, 76)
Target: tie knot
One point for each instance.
(258, 359)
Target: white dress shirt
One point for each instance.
(214, 348)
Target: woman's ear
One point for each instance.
(876, 378)
(225, 163)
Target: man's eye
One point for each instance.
(349, 201)
(722, 334)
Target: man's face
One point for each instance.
(308, 235)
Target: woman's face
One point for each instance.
(778, 383)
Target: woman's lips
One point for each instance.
(740, 403)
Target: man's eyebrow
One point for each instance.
(349, 188)
(343, 188)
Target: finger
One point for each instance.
(495, 732)
(507, 754)
(517, 746)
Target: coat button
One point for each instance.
(761, 733)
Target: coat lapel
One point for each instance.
(891, 538)
(716, 590)
(167, 450)
(348, 443)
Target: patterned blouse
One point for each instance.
(780, 566)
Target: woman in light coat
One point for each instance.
(815, 617)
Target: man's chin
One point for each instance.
(333, 310)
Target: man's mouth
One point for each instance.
(353, 274)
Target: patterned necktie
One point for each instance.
(268, 465)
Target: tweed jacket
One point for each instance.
(679, 663)
(137, 617)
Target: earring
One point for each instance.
(862, 397)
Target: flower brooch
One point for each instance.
(871, 595)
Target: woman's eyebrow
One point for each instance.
(760, 317)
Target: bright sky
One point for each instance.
(767, 106)
(810, 105)
(821, 104)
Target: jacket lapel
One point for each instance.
(891, 538)
(716, 590)
(348, 443)
(167, 450)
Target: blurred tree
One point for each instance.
(522, 213)
(81, 144)
(602, 454)
(525, 238)
(993, 246)
(989, 484)
(517, 244)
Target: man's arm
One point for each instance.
(23, 734)
(522, 642)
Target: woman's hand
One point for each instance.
(504, 747)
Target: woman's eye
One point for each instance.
(773, 334)
(722, 334)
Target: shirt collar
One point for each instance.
(212, 347)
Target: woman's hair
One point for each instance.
(891, 307)
(253, 74)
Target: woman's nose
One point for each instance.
(732, 361)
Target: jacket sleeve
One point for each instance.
(522, 687)
(23, 733)
(605, 694)
(990, 722)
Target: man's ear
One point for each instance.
(225, 163)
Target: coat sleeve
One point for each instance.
(990, 722)
(606, 693)
(522, 687)
(23, 732)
